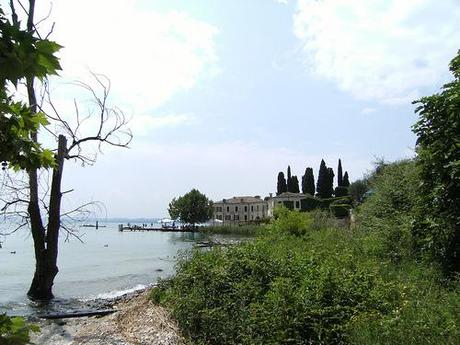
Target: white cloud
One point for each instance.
(149, 56)
(384, 50)
(145, 124)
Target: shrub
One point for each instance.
(437, 230)
(14, 330)
(323, 286)
(340, 210)
(391, 208)
(310, 203)
(341, 191)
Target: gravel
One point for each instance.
(137, 321)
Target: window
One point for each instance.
(236, 208)
(236, 217)
(219, 217)
(257, 207)
(252, 208)
(228, 208)
(245, 209)
(245, 217)
(228, 217)
(297, 204)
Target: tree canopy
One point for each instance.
(23, 56)
(438, 149)
(281, 186)
(191, 208)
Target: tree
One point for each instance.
(42, 211)
(191, 208)
(437, 227)
(23, 56)
(346, 180)
(339, 174)
(322, 183)
(294, 185)
(289, 179)
(281, 186)
(330, 182)
(358, 188)
(308, 182)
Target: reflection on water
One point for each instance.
(108, 262)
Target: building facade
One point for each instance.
(241, 210)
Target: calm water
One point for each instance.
(106, 265)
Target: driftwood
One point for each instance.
(78, 313)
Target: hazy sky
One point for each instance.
(224, 94)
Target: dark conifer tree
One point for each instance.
(294, 185)
(308, 182)
(330, 182)
(281, 186)
(289, 178)
(323, 178)
(339, 174)
(346, 181)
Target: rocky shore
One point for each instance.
(136, 321)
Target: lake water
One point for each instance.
(107, 264)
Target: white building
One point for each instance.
(241, 209)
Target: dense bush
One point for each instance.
(340, 210)
(244, 229)
(341, 191)
(391, 209)
(437, 227)
(14, 330)
(301, 285)
(310, 203)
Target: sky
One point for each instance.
(222, 95)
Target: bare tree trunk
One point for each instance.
(46, 247)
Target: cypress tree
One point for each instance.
(308, 182)
(346, 181)
(321, 185)
(281, 187)
(294, 185)
(289, 179)
(330, 182)
(339, 174)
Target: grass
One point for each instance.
(246, 230)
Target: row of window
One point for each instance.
(236, 217)
(256, 208)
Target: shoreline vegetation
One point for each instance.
(308, 280)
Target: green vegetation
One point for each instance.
(305, 280)
(339, 174)
(437, 226)
(308, 182)
(281, 186)
(14, 330)
(244, 230)
(23, 57)
(191, 208)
